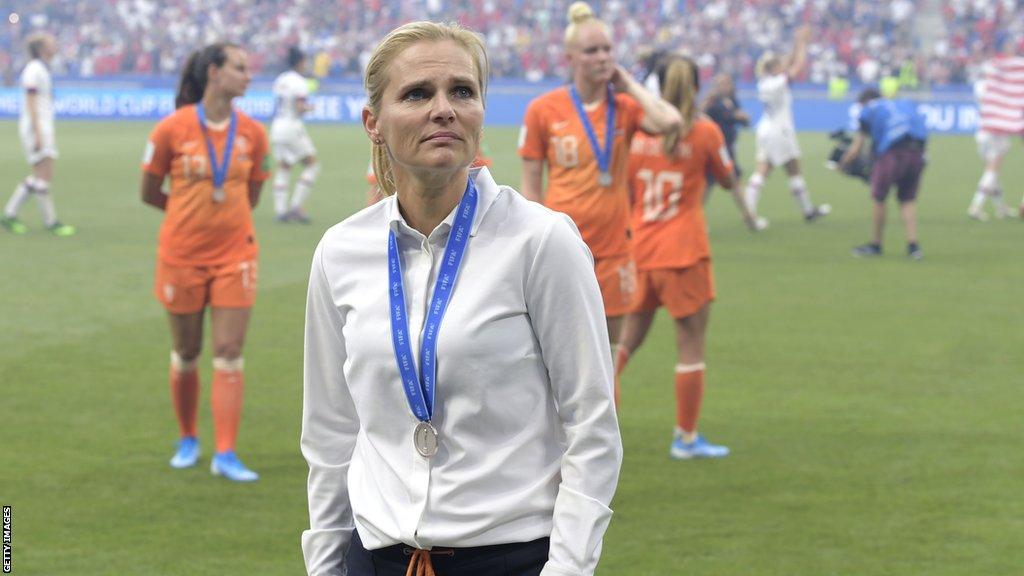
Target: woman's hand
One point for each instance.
(621, 80)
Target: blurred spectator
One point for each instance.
(867, 39)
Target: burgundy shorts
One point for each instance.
(899, 167)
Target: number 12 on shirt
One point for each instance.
(661, 194)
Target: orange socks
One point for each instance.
(185, 396)
(689, 393)
(621, 358)
(226, 401)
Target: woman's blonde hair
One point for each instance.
(680, 82)
(580, 13)
(390, 47)
(766, 61)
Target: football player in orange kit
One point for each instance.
(567, 130)
(668, 179)
(216, 158)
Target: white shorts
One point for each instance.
(992, 147)
(776, 145)
(290, 143)
(47, 148)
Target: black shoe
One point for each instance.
(867, 250)
(914, 251)
(298, 215)
(818, 212)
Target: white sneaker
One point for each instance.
(978, 215)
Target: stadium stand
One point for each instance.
(859, 40)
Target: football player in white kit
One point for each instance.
(291, 143)
(37, 139)
(776, 134)
(992, 147)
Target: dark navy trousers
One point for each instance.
(520, 559)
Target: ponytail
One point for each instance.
(680, 82)
(194, 75)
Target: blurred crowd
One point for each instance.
(861, 40)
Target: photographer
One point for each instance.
(898, 135)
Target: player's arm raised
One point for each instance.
(796, 61)
(659, 116)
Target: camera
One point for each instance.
(861, 165)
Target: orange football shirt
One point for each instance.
(668, 215)
(197, 231)
(552, 131)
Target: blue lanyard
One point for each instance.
(604, 157)
(419, 389)
(220, 171)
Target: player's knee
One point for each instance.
(184, 359)
(37, 185)
(311, 171)
(227, 350)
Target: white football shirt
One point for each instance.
(775, 96)
(36, 77)
(288, 89)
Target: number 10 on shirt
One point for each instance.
(662, 193)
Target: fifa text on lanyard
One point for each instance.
(420, 388)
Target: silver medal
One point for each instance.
(218, 194)
(424, 437)
(605, 179)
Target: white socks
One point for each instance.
(753, 192)
(281, 178)
(305, 185)
(45, 202)
(988, 188)
(303, 188)
(17, 199)
(799, 189)
(41, 190)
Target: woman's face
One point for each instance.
(431, 112)
(231, 79)
(724, 84)
(48, 49)
(591, 54)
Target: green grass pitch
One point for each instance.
(874, 408)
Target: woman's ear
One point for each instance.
(370, 126)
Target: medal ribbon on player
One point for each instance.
(604, 157)
(420, 389)
(219, 170)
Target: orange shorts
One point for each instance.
(188, 289)
(616, 275)
(682, 291)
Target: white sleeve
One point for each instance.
(329, 428)
(31, 77)
(567, 313)
(300, 87)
